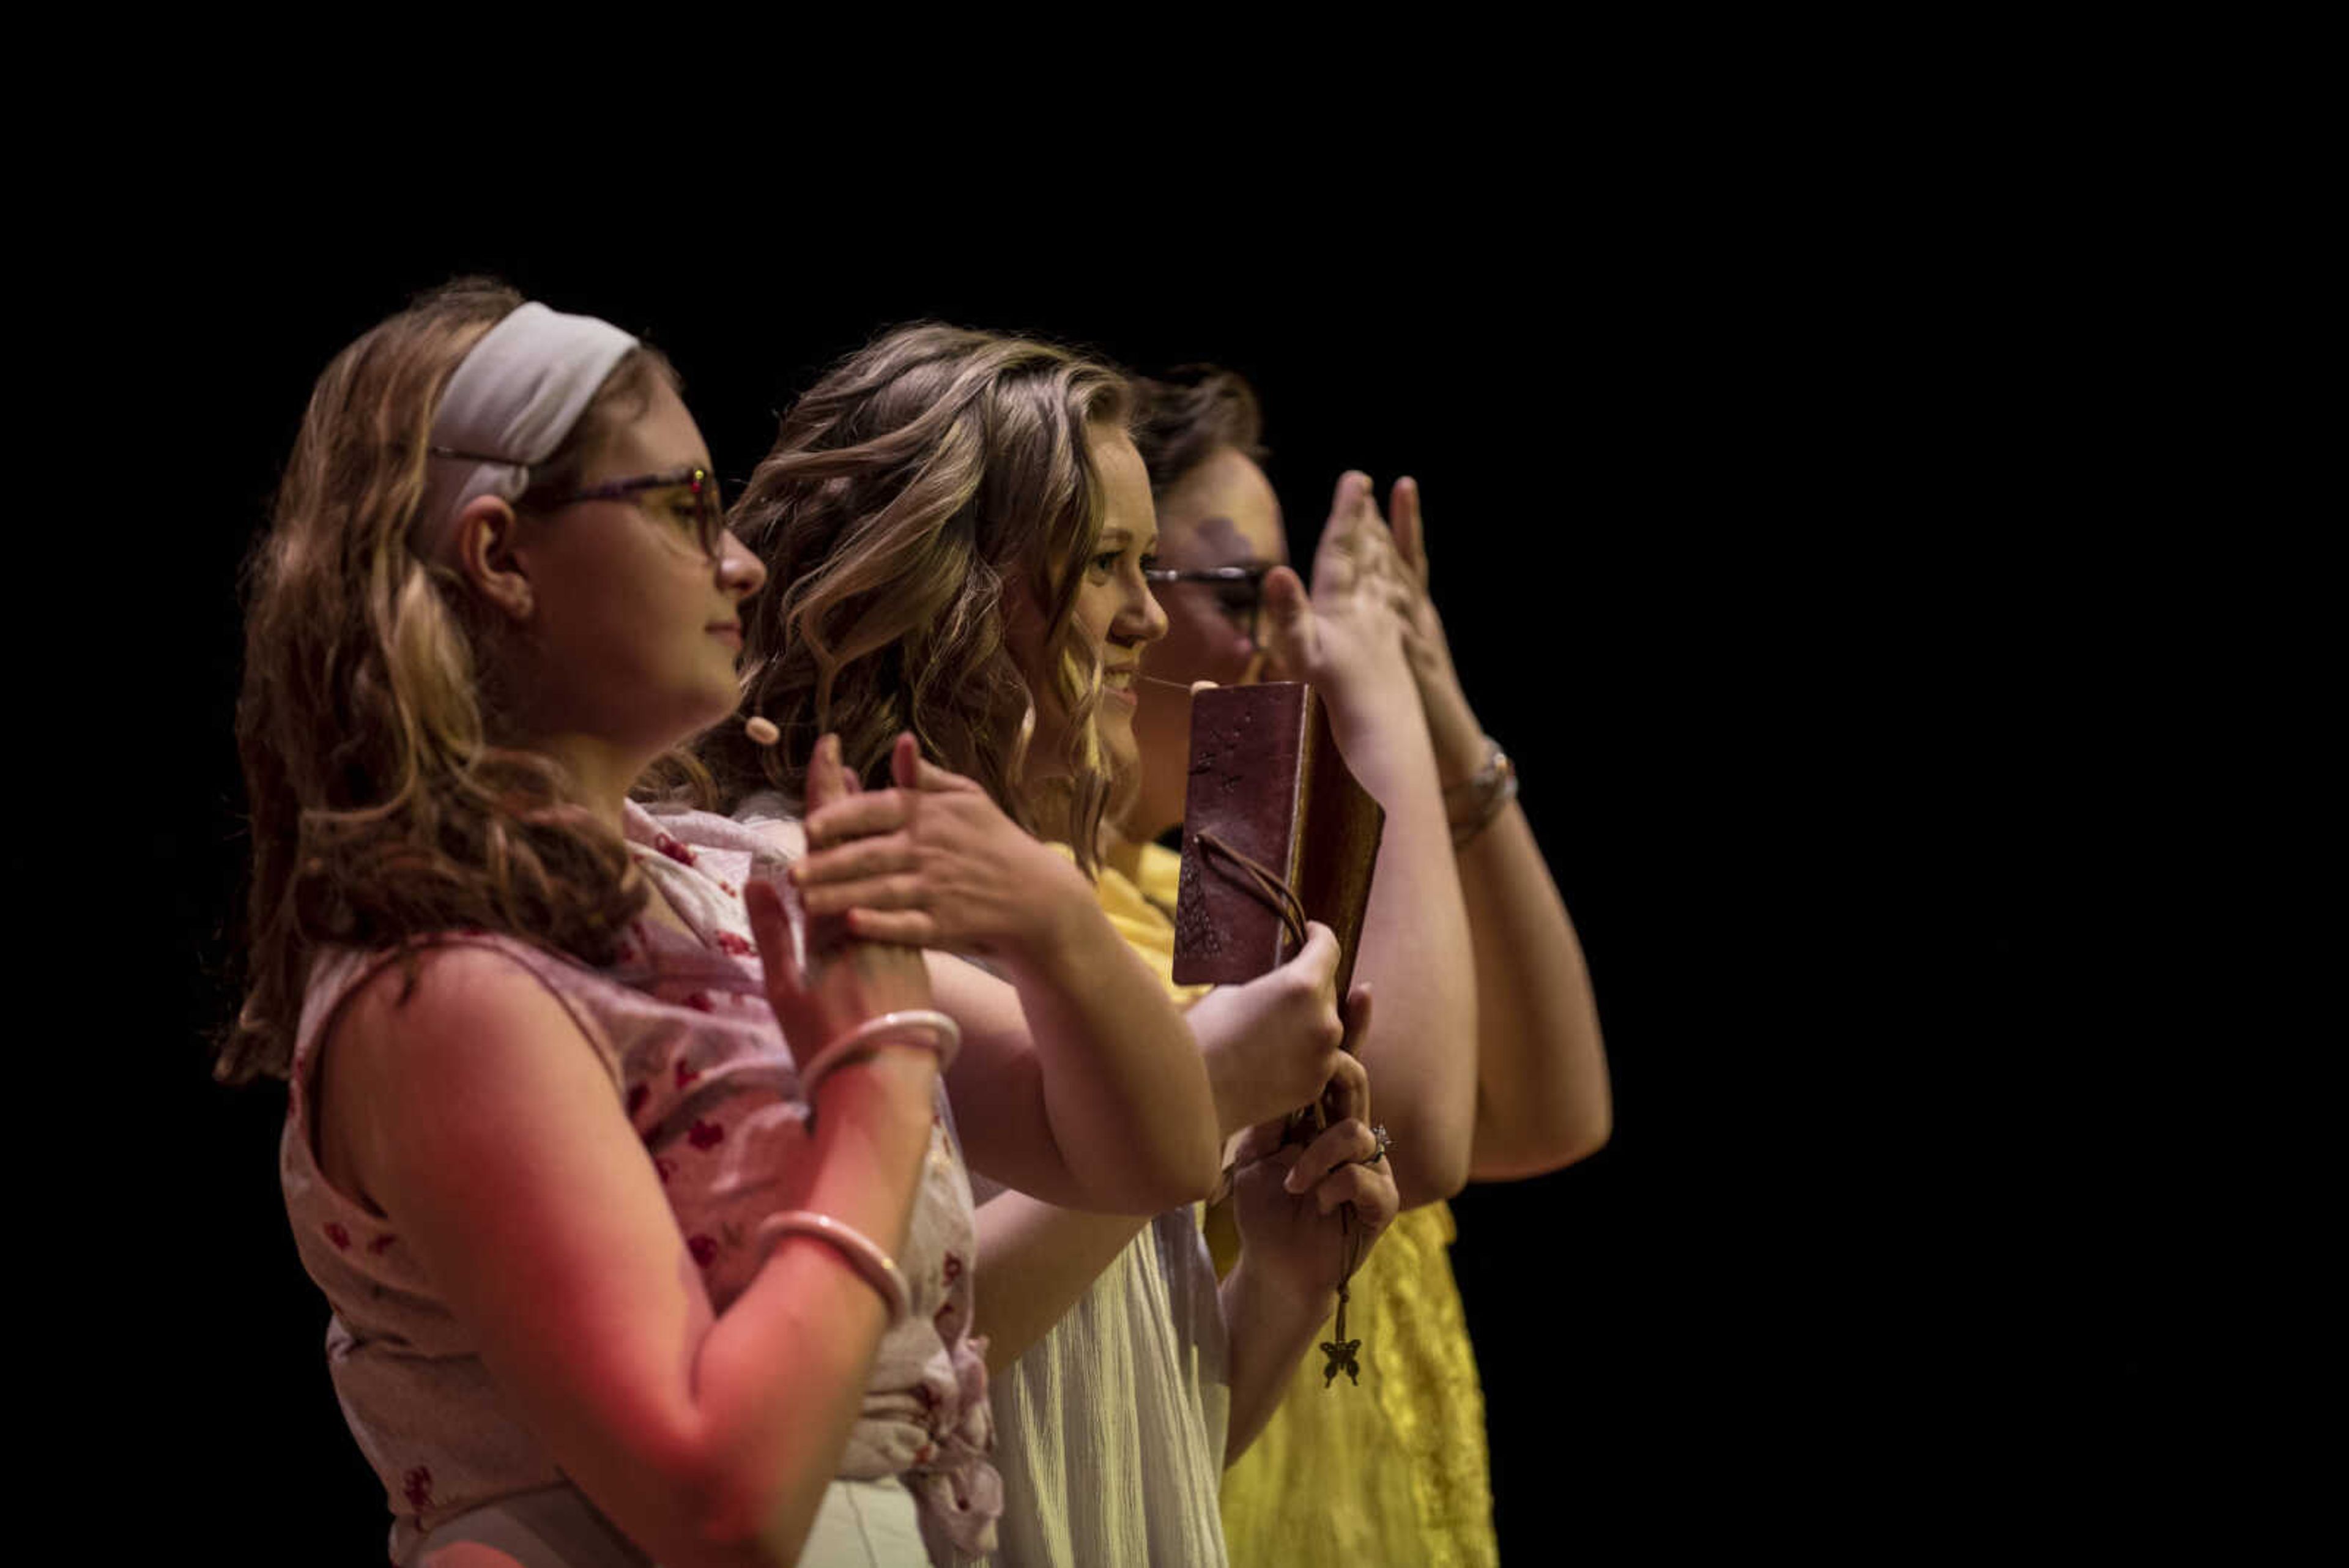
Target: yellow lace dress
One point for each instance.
(1390, 1474)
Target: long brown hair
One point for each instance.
(382, 807)
(919, 481)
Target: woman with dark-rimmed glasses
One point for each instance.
(1402, 1478)
(638, 1203)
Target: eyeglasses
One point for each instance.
(697, 503)
(1239, 590)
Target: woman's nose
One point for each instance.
(1144, 619)
(739, 570)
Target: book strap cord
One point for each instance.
(1260, 881)
(1273, 891)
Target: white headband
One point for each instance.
(515, 398)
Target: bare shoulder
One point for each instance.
(446, 1054)
(433, 1009)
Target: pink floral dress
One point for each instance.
(682, 1026)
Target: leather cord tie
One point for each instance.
(1261, 882)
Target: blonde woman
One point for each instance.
(962, 523)
(642, 1239)
(1401, 1476)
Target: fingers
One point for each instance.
(1263, 1141)
(1371, 1188)
(1291, 640)
(1334, 561)
(905, 927)
(893, 893)
(911, 770)
(1356, 1013)
(1317, 961)
(1404, 519)
(859, 816)
(856, 859)
(1347, 1094)
(823, 771)
(771, 928)
(1342, 1143)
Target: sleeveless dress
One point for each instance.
(1111, 1426)
(682, 1026)
(1393, 1471)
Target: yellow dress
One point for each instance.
(1390, 1474)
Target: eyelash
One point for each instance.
(1107, 561)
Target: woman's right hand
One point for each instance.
(1272, 1044)
(1346, 638)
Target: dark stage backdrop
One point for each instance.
(1676, 526)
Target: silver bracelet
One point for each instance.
(889, 1028)
(1490, 790)
(879, 1269)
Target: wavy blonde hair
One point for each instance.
(382, 809)
(919, 481)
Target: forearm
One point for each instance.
(1543, 1098)
(777, 1380)
(1034, 1262)
(1267, 1334)
(1126, 1095)
(1416, 954)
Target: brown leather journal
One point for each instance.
(1267, 786)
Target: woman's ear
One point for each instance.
(483, 540)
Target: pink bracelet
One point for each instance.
(880, 1269)
(889, 1028)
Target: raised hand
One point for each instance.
(1346, 638)
(1272, 1044)
(934, 862)
(845, 982)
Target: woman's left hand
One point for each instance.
(1290, 1201)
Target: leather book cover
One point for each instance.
(1267, 781)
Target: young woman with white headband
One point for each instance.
(640, 1206)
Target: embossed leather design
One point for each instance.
(1266, 778)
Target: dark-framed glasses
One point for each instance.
(1239, 590)
(689, 495)
(693, 502)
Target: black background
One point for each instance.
(1750, 536)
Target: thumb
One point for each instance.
(1291, 636)
(911, 770)
(823, 774)
(1357, 1015)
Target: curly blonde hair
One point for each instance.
(917, 482)
(381, 808)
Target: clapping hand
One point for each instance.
(845, 982)
(934, 862)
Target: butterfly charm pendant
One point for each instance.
(1341, 1353)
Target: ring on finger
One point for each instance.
(1379, 1134)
